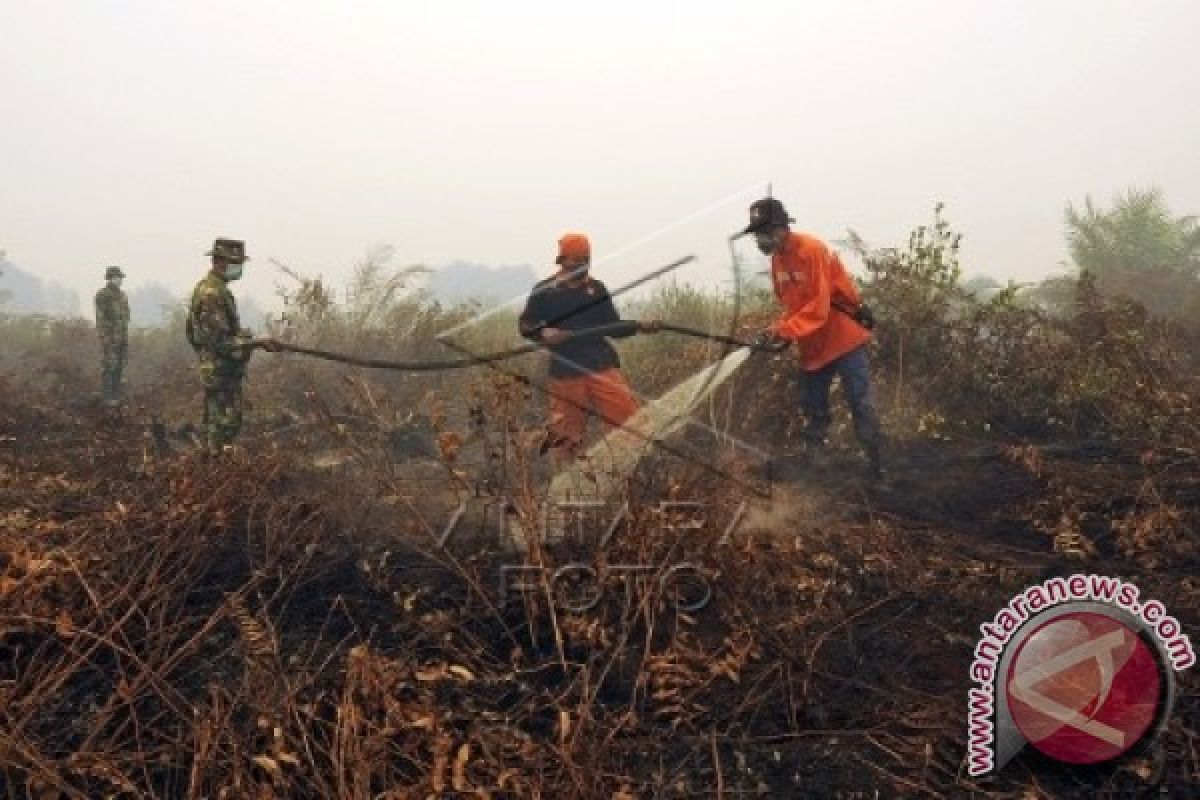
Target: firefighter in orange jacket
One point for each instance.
(822, 315)
(585, 371)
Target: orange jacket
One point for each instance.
(807, 276)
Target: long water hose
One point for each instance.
(624, 327)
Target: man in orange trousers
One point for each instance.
(585, 371)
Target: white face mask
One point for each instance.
(578, 271)
(233, 272)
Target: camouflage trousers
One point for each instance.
(222, 403)
(112, 364)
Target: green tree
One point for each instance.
(1139, 249)
(1138, 233)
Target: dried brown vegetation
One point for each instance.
(292, 621)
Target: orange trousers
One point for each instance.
(605, 394)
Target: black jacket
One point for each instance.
(572, 308)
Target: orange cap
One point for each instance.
(573, 246)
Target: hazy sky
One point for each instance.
(134, 132)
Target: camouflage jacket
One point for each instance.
(213, 327)
(112, 314)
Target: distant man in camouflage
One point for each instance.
(112, 325)
(222, 345)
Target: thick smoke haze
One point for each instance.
(135, 132)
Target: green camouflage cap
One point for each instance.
(231, 250)
(113, 272)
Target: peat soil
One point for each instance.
(249, 626)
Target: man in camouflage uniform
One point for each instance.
(223, 346)
(112, 325)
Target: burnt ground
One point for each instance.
(175, 626)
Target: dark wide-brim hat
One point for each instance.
(766, 214)
(231, 250)
(113, 272)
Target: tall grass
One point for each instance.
(1104, 366)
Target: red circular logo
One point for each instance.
(1084, 688)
